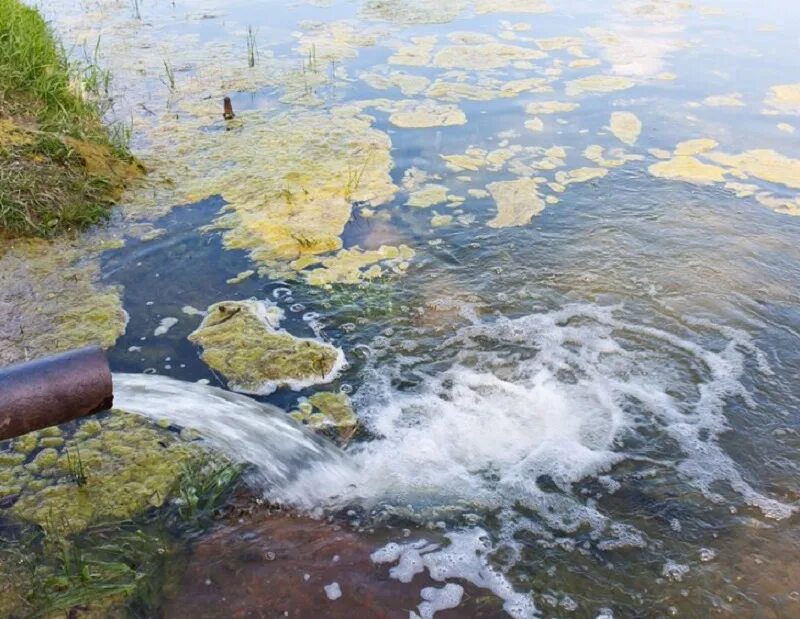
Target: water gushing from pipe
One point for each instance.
(242, 428)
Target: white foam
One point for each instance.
(675, 571)
(563, 395)
(165, 325)
(439, 598)
(464, 558)
(333, 591)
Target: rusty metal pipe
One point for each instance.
(54, 390)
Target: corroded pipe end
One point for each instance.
(51, 391)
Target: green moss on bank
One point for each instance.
(60, 168)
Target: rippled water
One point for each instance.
(599, 407)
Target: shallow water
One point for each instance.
(597, 405)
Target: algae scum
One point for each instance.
(521, 278)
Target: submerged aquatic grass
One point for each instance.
(354, 178)
(204, 489)
(120, 565)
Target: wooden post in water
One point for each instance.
(227, 113)
(54, 390)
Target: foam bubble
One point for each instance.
(439, 598)
(464, 558)
(333, 591)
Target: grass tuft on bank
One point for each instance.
(61, 168)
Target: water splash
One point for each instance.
(561, 395)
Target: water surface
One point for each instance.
(596, 396)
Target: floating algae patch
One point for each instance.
(484, 56)
(486, 89)
(580, 175)
(297, 201)
(512, 6)
(439, 221)
(112, 468)
(413, 11)
(556, 43)
(517, 202)
(242, 341)
(584, 63)
(332, 41)
(784, 99)
(328, 410)
(551, 107)
(407, 83)
(50, 300)
(416, 54)
(695, 147)
(465, 37)
(475, 158)
(626, 127)
(688, 168)
(534, 124)
(240, 277)
(616, 156)
(352, 266)
(428, 195)
(763, 164)
(419, 114)
(742, 190)
(414, 178)
(787, 206)
(598, 83)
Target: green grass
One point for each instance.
(252, 50)
(46, 186)
(203, 490)
(169, 73)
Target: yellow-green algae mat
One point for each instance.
(50, 300)
(129, 466)
(328, 410)
(306, 170)
(242, 340)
